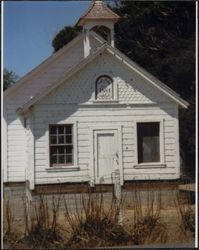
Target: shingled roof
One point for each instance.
(98, 10)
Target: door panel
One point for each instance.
(106, 148)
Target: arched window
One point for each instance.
(103, 31)
(104, 88)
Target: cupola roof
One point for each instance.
(98, 10)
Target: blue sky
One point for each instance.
(29, 28)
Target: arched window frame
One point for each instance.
(96, 88)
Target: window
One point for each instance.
(148, 140)
(61, 145)
(104, 88)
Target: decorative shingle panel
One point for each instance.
(132, 89)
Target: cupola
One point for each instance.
(100, 19)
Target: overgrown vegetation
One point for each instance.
(93, 219)
(10, 235)
(41, 225)
(96, 223)
(147, 223)
(186, 215)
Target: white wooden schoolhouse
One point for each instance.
(88, 110)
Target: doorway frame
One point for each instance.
(105, 129)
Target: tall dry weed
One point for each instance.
(147, 224)
(186, 215)
(41, 225)
(95, 223)
(8, 218)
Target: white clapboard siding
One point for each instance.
(128, 139)
(72, 102)
(61, 179)
(42, 174)
(153, 176)
(60, 107)
(16, 146)
(16, 139)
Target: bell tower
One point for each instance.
(100, 19)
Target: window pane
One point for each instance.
(60, 139)
(61, 150)
(148, 142)
(53, 159)
(104, 88)
(53, 130)
(68, 139)
(53, 150)
(69, 159)
(61, 159)
(53, 139)
(69, 149)
(68, 129)
(61, 130)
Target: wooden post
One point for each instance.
(118, 194)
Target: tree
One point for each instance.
(65, 36)
(9, 78)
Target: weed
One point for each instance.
(95, 224)
(10, 235)
(8, 217)
(186, 215)
(147, 224)
(41, 231)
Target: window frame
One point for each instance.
(161, 163)
(114, 88)
(96, 81)
(69, 166)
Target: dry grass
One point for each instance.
(96, 223)
(147, 224)
(41, 226)
(10, 235)
(186, 216)
(8, 218)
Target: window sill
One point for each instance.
(149, 165)
(105, 101)
(63, 169)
